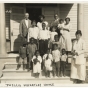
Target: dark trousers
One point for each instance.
(63, 67)
(56, 68)
(43, 46)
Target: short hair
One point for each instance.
(55, 14)
(33, 21)
(31, 38)
(78, 32)
(56, 36)
(42, 16)
(24, 43)
(37, 51)
(43, 23)
(63, 50)
(26, 13)
(61, 20)
(55, 45)
(67, 18)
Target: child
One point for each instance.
(63, 62)
(61, 25)
(37, 64)
(52, 34)
(47, 63)
(33, 32)
(56, 42)
(44, 37)
(23, 56)
(56, 60)
(31, 48)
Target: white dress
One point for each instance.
(37, 67)
(48, 62)
(67, 37)
(78, 64)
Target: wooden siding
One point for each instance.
(85, 30)
(70, 10)
(7, 20)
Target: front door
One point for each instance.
(16, 16)
(34, 13)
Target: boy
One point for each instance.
(44, 37)
(56, 60)
(31, 48)
(63, 62)
(47, 58)
(23, 56)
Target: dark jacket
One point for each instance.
(23, 52)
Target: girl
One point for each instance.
(47, 63)
(78, 65)
(37, 64)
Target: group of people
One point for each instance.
(48, 46)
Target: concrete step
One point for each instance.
(13, 65)
(14, 72)
(40, 80)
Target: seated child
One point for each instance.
(56, 61)
(37, 63)
(22, 56)
(61, 25)
(47, 58)
(31, 48)
(63, 62)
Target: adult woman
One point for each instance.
(66, 34)
(78, 68)
(39, 24)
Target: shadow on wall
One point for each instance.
(17, 43)
(64, 10)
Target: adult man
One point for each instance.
(24, 26)
(56, 21)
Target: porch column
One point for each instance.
(80, 19)
(2, 30)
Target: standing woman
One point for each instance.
(78, 65)
(39, 24)
(66, 34)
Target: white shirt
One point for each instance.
(56, 55)
(50, 57)
(61, 25)
(52, 34)
(44, 34)
(63, 57)
(33, 32)
(26, 22)
(39, 24)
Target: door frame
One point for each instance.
(11, 25)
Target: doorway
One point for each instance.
(34, 13)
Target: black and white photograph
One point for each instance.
(43, 44)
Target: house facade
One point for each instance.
(12, 13)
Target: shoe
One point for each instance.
(17, 69)
(28, 70)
